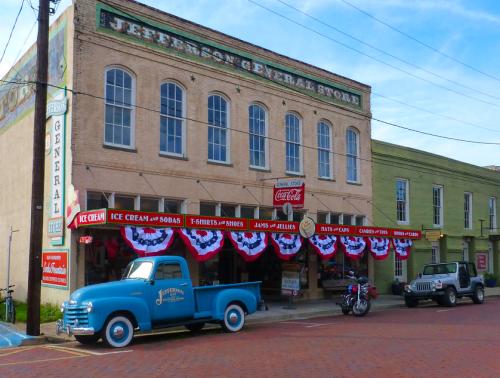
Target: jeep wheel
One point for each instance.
(411, 302)
(478, 296)
(450, 297)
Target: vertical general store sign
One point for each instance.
(55, 268)
(57, 111)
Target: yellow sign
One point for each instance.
(433, 235)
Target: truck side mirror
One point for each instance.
(151, 282)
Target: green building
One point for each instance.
(455, 205)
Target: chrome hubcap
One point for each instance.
(233, 318)
(118, 332)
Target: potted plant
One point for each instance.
(490, 280)
(397, 287)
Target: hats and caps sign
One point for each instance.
(291, 191)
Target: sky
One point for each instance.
(433, 66)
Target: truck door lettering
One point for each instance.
(170, 294)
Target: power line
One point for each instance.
(387, 53)
(420, 42)
(374, 58)
(12, 31)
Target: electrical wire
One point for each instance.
(11, 31)
(420, 42)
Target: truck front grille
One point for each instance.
(423, 286)
(76, 316)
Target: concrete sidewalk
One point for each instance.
(277, 311)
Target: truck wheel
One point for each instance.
(234, 318)
(195, 327)
(411, 302)
(478, 296)
(450, 297)
(118, 332)
(87, 339)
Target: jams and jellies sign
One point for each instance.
(292, 191)
(55, 268)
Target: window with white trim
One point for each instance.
(218, 120)
(172, 119)
(257, 120)
(437, 205)
(465, 251)
(293, 143)
(492, 211)
(468, 210)
(402, 201)
(435, 254)
(352, 155)
(119, 112)
(324, 150)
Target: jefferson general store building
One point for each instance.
(174, 135)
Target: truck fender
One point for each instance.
(104, 307)
(225, 297)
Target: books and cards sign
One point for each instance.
(291, 191)
(55, 268)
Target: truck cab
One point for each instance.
(445, 283)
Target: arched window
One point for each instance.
(257, 136)
(324, 150)
(218, 119)
(293, 143)
(119, 110)
(352, 155)
(172, 123)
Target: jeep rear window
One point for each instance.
(439, 269)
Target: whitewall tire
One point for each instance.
(118, 332)
(234, 318)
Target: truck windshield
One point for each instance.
(439, 269)
(138, 270)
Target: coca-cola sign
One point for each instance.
(289, 192)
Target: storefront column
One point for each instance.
(312, 275)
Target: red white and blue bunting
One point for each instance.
(286, 245)
(325, 245)
(379, 247)
(402, 248)
(148, 241)
(203, 244)
(354, 246)
(249, 245)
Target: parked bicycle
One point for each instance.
(10, 308)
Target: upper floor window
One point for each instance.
(324, 150)
(352, 155)
(119, 112)
(437, 205)
(218, 120)
(492, 211)
(468, 210)
(172, 123)
(402, 201)
(293, 144)
(257, 136)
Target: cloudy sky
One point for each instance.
(433, 65)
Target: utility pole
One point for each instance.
(37, 193)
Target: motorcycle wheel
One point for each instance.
(361, 307)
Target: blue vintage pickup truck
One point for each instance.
(155, 292)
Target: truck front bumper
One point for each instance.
(70, 331)
(424, 294)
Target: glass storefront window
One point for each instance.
(321, 217)
(207, 208)
(172, 206)
(124, 202)
(360, 220)
(247, 212)
(149, 204)
(266, 213)
(335, 218)
(228, 210)
(347, 219)
(97, 200)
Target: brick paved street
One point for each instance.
(427, 341)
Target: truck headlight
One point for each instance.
(90, 306)
(433, 285)
(62, 307)
(439, 285)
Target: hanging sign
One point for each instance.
(203, 244)
(140, 218)
(354, 246)
(85, 239)
(407, 234)
(402, 248)
(482, 261)
(221, 223)
(379, 247)
(373, 231)
(273, 226)
(335, 229)
(249, 245)
(291, 191)
(146, 241)
(307, 227)
(89, 218)
(324, 245)
(286, 245)
(55, 268)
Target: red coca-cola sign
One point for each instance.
(289, 191)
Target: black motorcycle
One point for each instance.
(358, 297)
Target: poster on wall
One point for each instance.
(482, 261)
(55, 269)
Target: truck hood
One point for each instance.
(432, 277)
(108, 289)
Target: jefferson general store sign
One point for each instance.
(140, 218)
